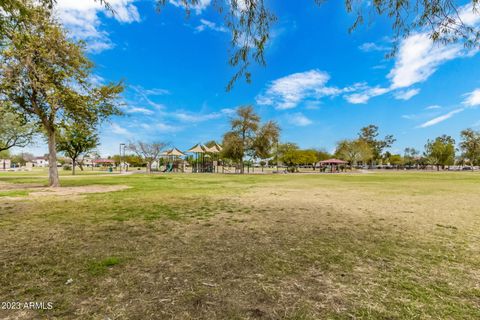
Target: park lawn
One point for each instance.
(391, 245)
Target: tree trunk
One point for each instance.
(53, 180)
(73, 167)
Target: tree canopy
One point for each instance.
(369, 135)
(46, 78)
(441, 151)
(248, 137)
(14, 130)
(76, 140)
(354, 151)
(470, 146)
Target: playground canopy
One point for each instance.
(213, 149)
(333, 161)
(198, 148)
(175, 152)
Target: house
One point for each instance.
(5, 164)
(41, 162)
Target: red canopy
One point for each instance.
(333, 161)
(103, 161)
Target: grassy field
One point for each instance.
(358, 246)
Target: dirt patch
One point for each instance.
(5, 186)
(35, 191)
(69, 191)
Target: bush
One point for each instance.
(67, 167)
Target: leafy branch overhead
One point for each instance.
(250, 24)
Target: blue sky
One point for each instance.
(321, 83)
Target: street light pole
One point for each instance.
(120, 155)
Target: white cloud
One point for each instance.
(418, 58)
(439, 119)
(117, 129)
(472, 98)
(433, 107)
(194, 118)
(136, 110)
(149, 92)
(406, 94)
(469, 16)
(365, 94)
(298, 119)
(198, 8)
(205, 24)
(371, 46)
(288, 92)
(166, 128)
(81, 18)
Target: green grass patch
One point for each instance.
(96, 268)
(14, 193)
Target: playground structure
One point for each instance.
(205, 159)
(174, 162)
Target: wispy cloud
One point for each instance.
(472, 98)
(439, 119)
(299, 120)
(371, 46)
(406, 94)
(166, 128)
(81, 18)
(209, 25)
(117, 129)
(288, 92)
(190, 117)
(145, 95)
(149, 91)
(365, 95)
(139, 110)
(433, 107)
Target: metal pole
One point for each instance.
(277, 156)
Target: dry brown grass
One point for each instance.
(216, 247)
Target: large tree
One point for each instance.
(248, 137)
(441, 151)
(232, 147)
(244, 126)
(369, 135)
(149, 152)
(266, 139)
(76, 140)
(470, 146)
(290, 155)
(14, 130)
(250, 21)
(354, 151)
(45, 78)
